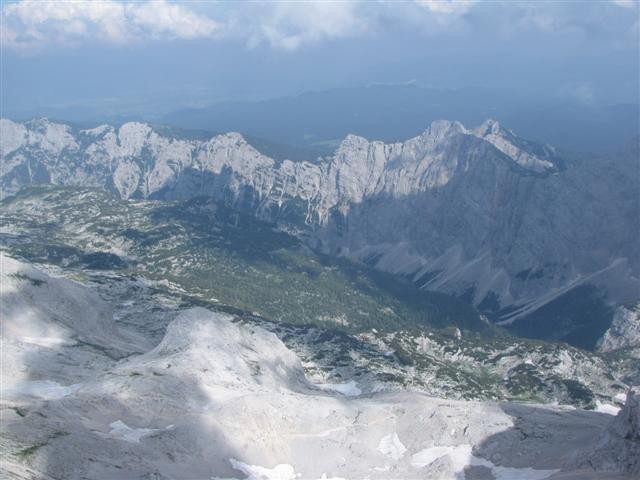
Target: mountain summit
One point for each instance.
(480, 213)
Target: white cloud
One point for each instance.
(289, 26)
(626, 3)
(161, 19)
(447, 7)
(32, 24)
(284, 25)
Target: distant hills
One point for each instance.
(319, 120)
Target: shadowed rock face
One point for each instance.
(627, 426)
(479, 213)
(619, 445)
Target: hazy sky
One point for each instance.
(151, 57)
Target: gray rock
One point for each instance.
(618, 449)
(221, 398)
(624, 331)
(476, 212)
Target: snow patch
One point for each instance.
(621, 397)
(348, 389)
(391, 446)
(282, 471)
(46, 342)
(606, 408)
(44, 389)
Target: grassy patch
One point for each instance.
(214, 252)
(28, 452)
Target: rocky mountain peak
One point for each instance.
(134, 129)
(40, 124)
(440, 129)
(42, 133)
(132, 136)
(488, 127)
(12, 136)
(352, 146)
(474, 191)
(230, 139)
(536, 158)
(98, 131)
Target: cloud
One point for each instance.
(31, 24)
(161, 19)
(626, 3)
(289, 26)
(447, 7)
(36, 25)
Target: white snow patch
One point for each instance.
(45, 389)
(606, 408)
(460, 457)
(621, 397)
(46, 342)
(348, 389)
(391, 446)
(282, 471)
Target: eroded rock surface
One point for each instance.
(219, 397)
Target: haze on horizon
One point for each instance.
(106, 59)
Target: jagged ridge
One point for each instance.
(478, 212)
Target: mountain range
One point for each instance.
(177, 304)
(512, 226)
(319, 120)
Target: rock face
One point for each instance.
(624, 331)
(474, 212)
(219, 397)
(627, 426)
(39, 312)
(619, 446)
(136, 161)
(291, 288)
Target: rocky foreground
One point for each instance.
(86, 396)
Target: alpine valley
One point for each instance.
(513, 227)
(175, 304)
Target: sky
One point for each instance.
(151, 57)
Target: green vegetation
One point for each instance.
(28, 452)
(207, 254)
(217, 254)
